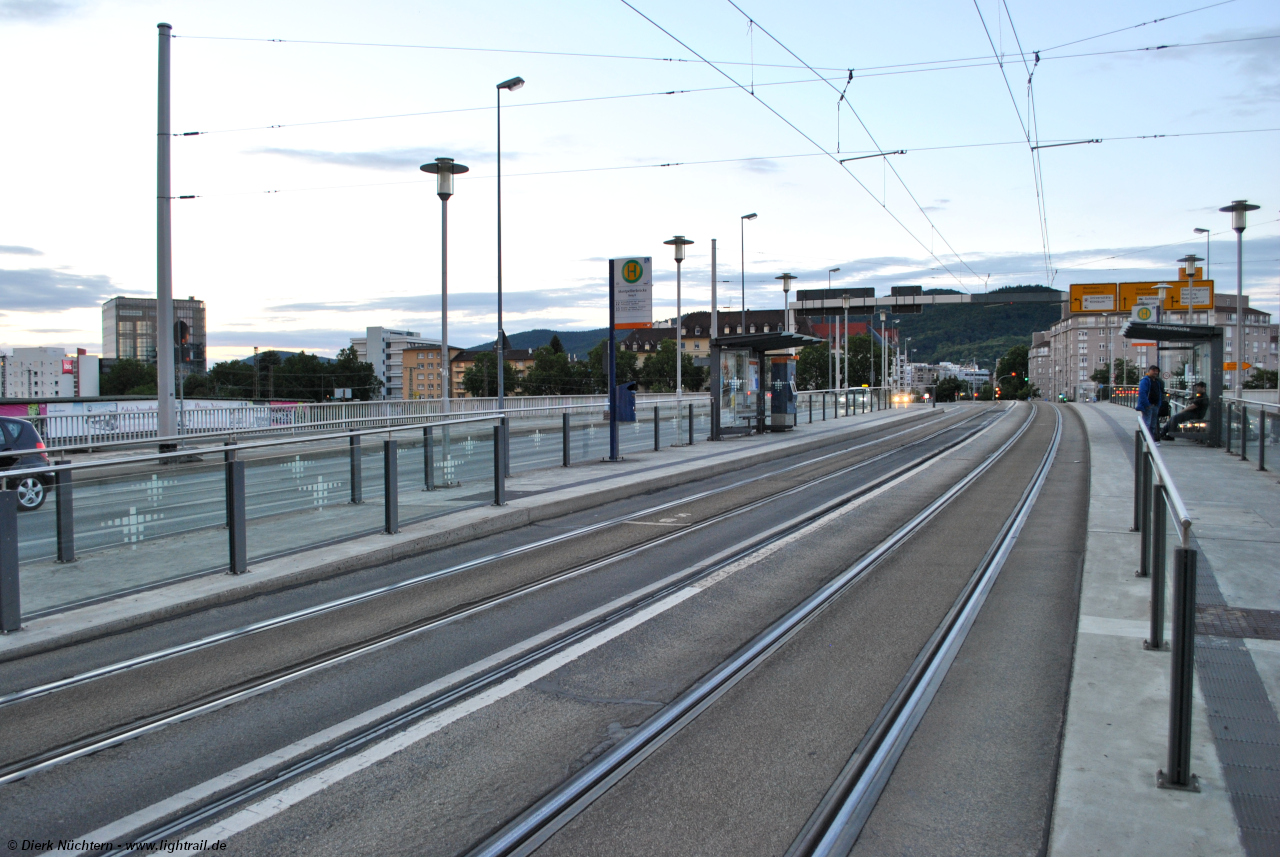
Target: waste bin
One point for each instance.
(625, 396)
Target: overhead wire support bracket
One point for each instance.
(1056, 145)
(873, 155)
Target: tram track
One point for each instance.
(102, 739)
(210, 806)
(835, 823)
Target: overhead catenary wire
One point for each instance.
(890, 166)
(474, 176)
(959, 64)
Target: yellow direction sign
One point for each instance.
(1231, 367)
(1131, 292)
(1093, 297)
(1200, 297)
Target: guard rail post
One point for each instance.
(228, 456)
(237, 549)
(835, 405)
(1155, 641)
(657, 429)
(499, 482)
(1262, 439)
(1178, 774)
(1244, 433)
(428, 458)
(691, 424)
(506, 448)
(811, 408)
(390, 488)
(824, 407)
(1137, 482)
(1230, 408)
(10, 592)
(357, 488)
(65, 521)
(564, 439)
(1144, 531)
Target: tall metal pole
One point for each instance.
(715, 318)
(444, 303)
(679, 353)
(742, 267)
(845, 342)
(1239, 355)
(166, 422)
(501, 356)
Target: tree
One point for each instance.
(658, 374)
(481, 378)
(597, 373)
(128, 377)
(987, 393)
(949, 388)
(863, 357)
(551, 374)
(1014, 364)
(555, 345)
(1261, 379)
(813, 367)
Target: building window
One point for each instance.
(752, 328)
(766, 328)
(697, 331)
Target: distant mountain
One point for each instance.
(982, 332)
(577, 342)
(284, 355)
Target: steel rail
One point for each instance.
(638, 601)
(346, 601)
(1164, 479)
(835, 825)
(532, 828)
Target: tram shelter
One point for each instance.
(1201, 346)
(748, 369)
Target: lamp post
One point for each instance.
(844, 340)
(679, 242)
(444, 170)
(786, 292)
(873, 348)
(742, 243)
(1239, 208)
(831, 357)
(510, 86)
(1208, 274)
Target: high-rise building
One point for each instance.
(38, 373)
(384, 349)
(129, 332)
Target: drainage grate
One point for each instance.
(1241, 622)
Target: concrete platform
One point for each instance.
(532, 496)
(1116, 730)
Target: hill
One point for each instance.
(577, 342)
(982, 332)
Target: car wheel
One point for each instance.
(31, 493)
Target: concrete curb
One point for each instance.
(111, 617)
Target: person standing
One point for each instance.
(1150, 396)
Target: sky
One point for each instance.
(640, 120)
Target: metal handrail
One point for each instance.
(1165, 481)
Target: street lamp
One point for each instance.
(831, 357)
(786, 291)
(510, 86)
(444, 170)
(742, 243)
(679, 242)
(1208, 274)
(1238, 209)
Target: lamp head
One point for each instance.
(749, 216)
(445, 169)
(1238, 208)
(680, 242)
(512, 85)
(786, 282)
(1200, 231)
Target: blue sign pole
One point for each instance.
(613, 374)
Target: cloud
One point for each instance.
(315, 339)
(762, 165)
(462, 303)
(37, 11)
(47, 290)
(13, 250)
(387, 160)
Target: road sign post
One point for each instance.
(630, 308)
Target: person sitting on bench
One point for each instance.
(1195, 410)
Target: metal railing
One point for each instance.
(1155, 501)
(1245, 420)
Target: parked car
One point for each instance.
(20, 448)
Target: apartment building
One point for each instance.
(384, 348)
(38, 373)
(1063, 358)
(423, 371)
